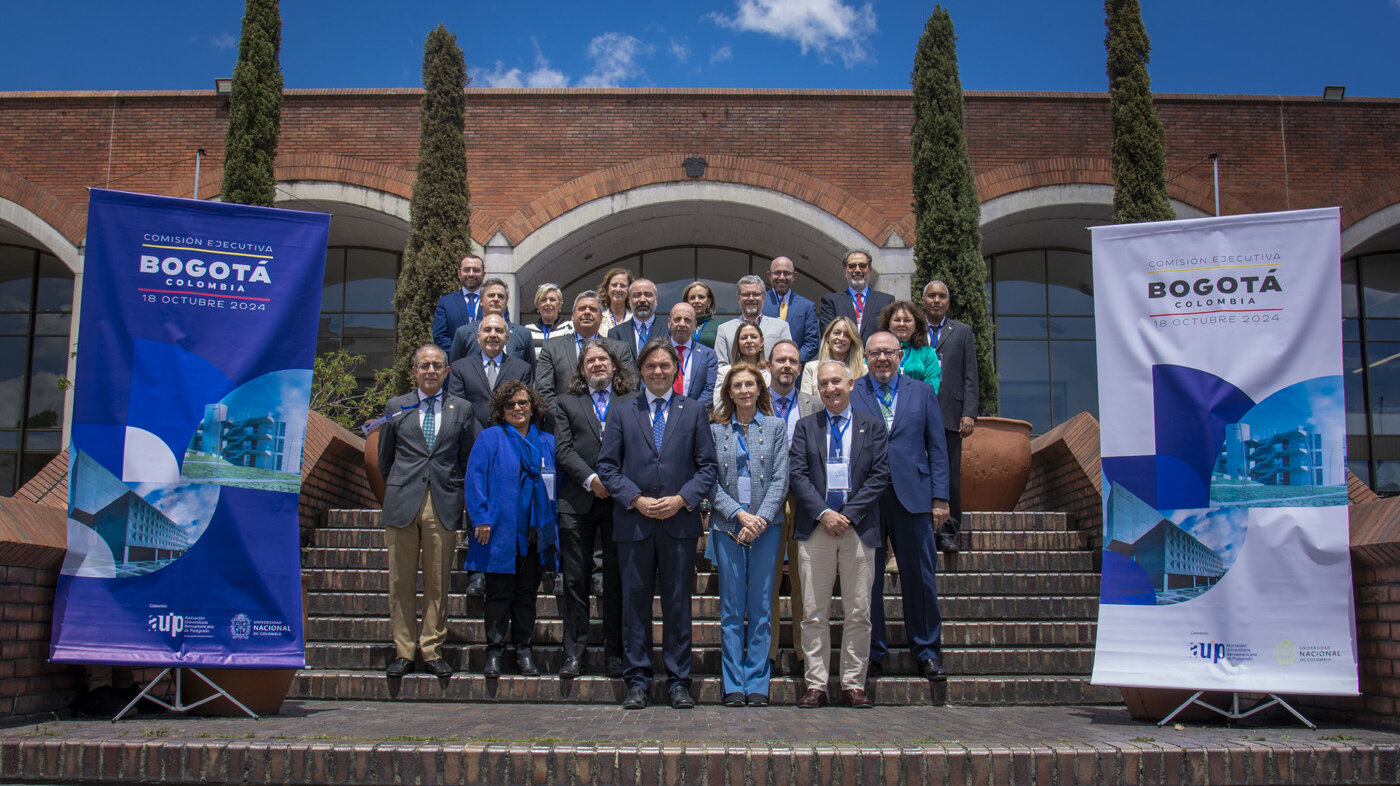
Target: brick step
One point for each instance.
(705, 632)
(971, 541)
(376, 604)
(973, 521)
(989, 584)
(1017, 561)
(1013, 661)
(888, 691)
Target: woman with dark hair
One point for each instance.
(746, 528)
(906, 321)
(515, 529)
(612, 295)
(701, 298)
(747, 348)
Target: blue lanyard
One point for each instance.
(839, 435)
(743, 463)
(662, 413)
(602, 413)
(894, 390)
(936, 330)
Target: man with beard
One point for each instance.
(456, 309)
(857, 301)
(559, 357)
(642, 327)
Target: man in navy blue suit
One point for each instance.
(642, 327)
(840, 468)
(799, 312)
(857, 301)
(916, 503)
(657, 461)
(698, 364)
(456, 309)
(495, 297)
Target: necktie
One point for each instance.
(600, 405)
(471, 306)
(430, 422)
(493, 371)
(835, 499)
(679, 387)
(782, 309)
(783, 404)
(642, 337)
(886, 403)
(860, 305)
(658, 423)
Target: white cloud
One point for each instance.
(540, 76)
(223, 41)
(680, 49)
(825, 26)
(725, 53)
(615, 58)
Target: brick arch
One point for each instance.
(1037, 173)
(1369, 210)
(326, 167)
(66, 221)
(734, 170)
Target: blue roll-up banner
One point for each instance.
(1226, 559)
(195, 347)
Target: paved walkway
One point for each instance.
(399, 742)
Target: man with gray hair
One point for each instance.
(495, 298)
(751, 295)
(559, 356)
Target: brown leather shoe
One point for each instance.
(855, 698)
(813, 698)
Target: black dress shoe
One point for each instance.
(932, 669)
(399, 667)
(948, 543)
(681, 699)
(572, 668)
(493, 665)
(526, 664)
(734, 700)
(616, 668)
(476, 585)
(439, 667)
(757, 699)
(636, 698)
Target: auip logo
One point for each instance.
(1212, 651)
(1286, 653)
(174, 624)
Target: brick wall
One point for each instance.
(1065, 476)
(526, 148)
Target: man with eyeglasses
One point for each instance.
(751, 298)
(495, 297)
(785, 304)
(858, 302)
(423, 451)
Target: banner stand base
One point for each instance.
(180, 705)
(1234, 712)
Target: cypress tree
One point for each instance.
(255, 108)
(948, 238)
(440, 230)
(1139, 146)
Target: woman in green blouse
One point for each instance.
(907, 323)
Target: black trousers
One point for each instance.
(954, 440)
(510, 603)
(580, 537)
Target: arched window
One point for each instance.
(357, 306)
(1371, 357)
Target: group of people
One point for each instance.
(599, 445)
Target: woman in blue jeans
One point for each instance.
(746, 528)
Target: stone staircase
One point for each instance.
(1019, 607)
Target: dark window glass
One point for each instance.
(8, 463)
(1351, 330)
(1349, 308)
(1355, 392)
(1019, 283)
(1072, 327)
(45, 397)
(369, 279)
(1021, 327)
(52, 324)
(9, 440)
(1387, 478)
(43, 440)
(1383, 371)
(1074, 366)
(16, 277)
(1382, 330)
(1025, 382)
(32, 463)
(1380, 276)
(369, 325)
(14, 357)
(55, 285)
(1071, 282)
(333, 290)
(14, 324)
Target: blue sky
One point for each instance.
(1289, 47)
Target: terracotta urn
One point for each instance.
(376, 481)
(996, 463)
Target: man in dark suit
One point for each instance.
(642, 327)
(799, 312)
(585, 507)
(915, 504)
(857, 301)
(958, 395)
(559, 357)
(657, 461)
(423, 453)
(790, 404)
(477, 375)
(495, 296)
(456, 309)
(698, 365)
(840, 468)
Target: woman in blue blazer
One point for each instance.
(511, 504)
(746, 528)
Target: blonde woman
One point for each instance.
(840, 342)
(612, 294)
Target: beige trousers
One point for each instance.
(437, 544)
(820, 559)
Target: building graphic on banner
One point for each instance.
(1170, 563)
(139, 537)
(1288, 458)
(243, 441)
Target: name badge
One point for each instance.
(745, 491)
(838, 476)
(548, 478)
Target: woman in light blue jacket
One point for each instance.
(746, 528)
